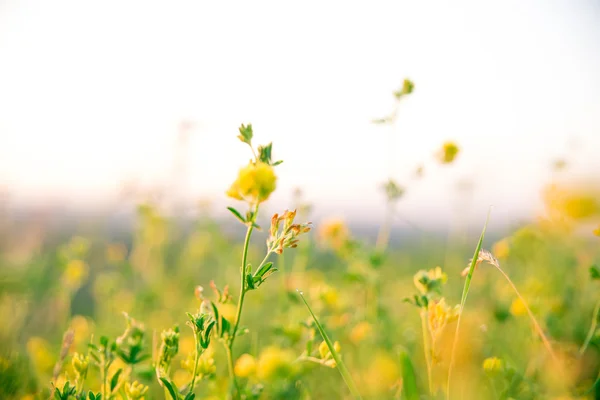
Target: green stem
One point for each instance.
(240, 305)
(592, 330)
(234, 388)
(196, 359)
(427, 350)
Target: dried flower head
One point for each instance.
(484, 255)
(288, 236)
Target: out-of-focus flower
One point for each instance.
(381, 374)
(255, 183)
(574, 203)
(334, 233)
(501, 248)
(245, 366)
(447, 153)
(517, 308)
(430, 281)
(116, 253)
(360, 332)
(440, 315)
(493, 365)
(274, 361)
(39, 352)
(75, 274)
(597, 231)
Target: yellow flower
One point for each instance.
(381, 374)
(245, 366)
(75, 274)
(360, 332)
(255, 183)
(597, 231)
(501, 248)
(517, 308)
(493, 365)
(575, 203)
(334, 233)
(135, 390)
(39, 351)
(274, 361)
(447, 153)
(430, 281)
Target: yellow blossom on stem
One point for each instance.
(255, 183)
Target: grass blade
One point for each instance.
(409, 381)
(338, 360)
(463, 300)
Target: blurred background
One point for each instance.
(102, 99)
(118, 125)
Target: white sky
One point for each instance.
(91, 95)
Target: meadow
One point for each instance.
(274, 307)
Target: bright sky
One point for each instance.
(92, 94)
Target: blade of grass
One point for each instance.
(338, 360)
(463, 300)
(409, 381)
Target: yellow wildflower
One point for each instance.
(597, 231)
(75, 274)
(360, 332)
(135, 390)
(493, 365)
(501, 248)
(447, 153)
(255, 183)
(334, 233)
(517, 308)
(245, 366)
(274, 361)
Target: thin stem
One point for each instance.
(196, 359)
(426, 350)
(592, 330)
(240, 305)
(536, 325)
(234, 388)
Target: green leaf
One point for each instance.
(170, 388)
(263, 270)
(91, 395)
(250, 282)
(594, 272)
(276, 163)
(264, 153)
(190, 396)
(463, 299)
(338, 360)
(246, 134)
(115, 379)
(57, 394)
(237, 214)
(409, 380)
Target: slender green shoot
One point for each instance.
(463, 300)
(338, 360)
(409, 380)
(592, 331)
